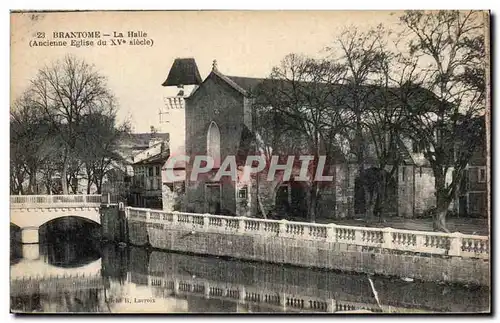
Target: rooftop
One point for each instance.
(184, 71)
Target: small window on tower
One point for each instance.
(243, 193)
(481, 175)
(418, 147)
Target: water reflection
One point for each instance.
(88, 277)
(71, 254)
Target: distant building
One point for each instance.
(473, 193)
(146, 187)
(126, 179)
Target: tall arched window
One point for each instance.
(213, 143)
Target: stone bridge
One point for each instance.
(29, 212)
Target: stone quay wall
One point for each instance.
(427, 256)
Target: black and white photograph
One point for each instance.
(242, 162)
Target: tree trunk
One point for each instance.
(32, 184)
(74, 188)
(99, 185)
(64, 179)
(382, 196)
(442, 202)
(32, 180)
(369, 203)
(313, 198)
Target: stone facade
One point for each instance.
(214, 101)
(219, 100)
(227, 103)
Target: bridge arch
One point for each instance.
(35, 217)
(71, 216)
(69, 228)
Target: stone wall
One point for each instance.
(425, 197)
(321, 254)
(113, 223)
(214, 101)
(406, 191)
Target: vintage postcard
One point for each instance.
(250, 162)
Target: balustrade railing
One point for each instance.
(281, 297)
(55, 200)
(438, 243)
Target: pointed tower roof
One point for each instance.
(184, 71)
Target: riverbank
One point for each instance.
(427, 256)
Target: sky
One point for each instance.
(244, 43)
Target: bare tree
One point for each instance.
(66, 92)
(97, 146)
(368, 98)
(362, 54)
(300, 98)
(447, 48)
(30, 144)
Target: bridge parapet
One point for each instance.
(29, 212)
(50, 201)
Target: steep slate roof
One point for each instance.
(252, 85)
(246, 83)
(248, 86)
(184, 71)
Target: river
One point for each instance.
(88, 276)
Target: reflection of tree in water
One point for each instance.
(78, 301)
(26, 303)
(115, 262)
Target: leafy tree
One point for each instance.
(376, 115)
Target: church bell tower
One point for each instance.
(183, 78)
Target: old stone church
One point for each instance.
(216, 119)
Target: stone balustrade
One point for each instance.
(407, 241)
(50, 201)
